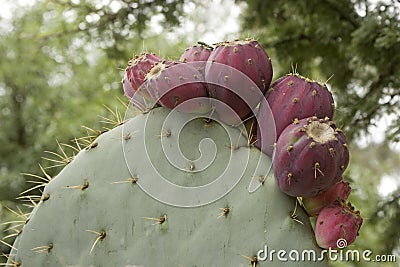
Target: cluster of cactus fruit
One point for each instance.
(309, 152)
(106, 192)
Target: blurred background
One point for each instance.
(61, 61)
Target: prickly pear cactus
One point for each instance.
(164, 190)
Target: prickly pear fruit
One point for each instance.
(339, 191)
(135, 73)
(171, 83)
(237, 74)
(198, 54)
(310, 157)
(294, 97)
(337, 225)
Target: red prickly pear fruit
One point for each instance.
(199, 52)
(294, 97)
(237, 74)
(337, 225)
(171, 83)
(310, 157)
(198, 55)
(135, 74)
(339, 191)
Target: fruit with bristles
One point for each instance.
(136, 71)
(292, 98)
(339, 191)
(174, 84)
(198, 55)
(238, 73)
(310, 156)
(337, 225)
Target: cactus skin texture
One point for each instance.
(198, 55)
(247, 57)
(171, 83)
(339, 191)
(310, 157)
(337, 221)
(95, 198)
(199, 52)
(135, 73)
(294, 97)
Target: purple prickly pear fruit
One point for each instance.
(199, 52)
(198, 55)
(337, 225)
(171, 83)
(135, 74)
(237, 74)
(339, 191)
(310, 157)
(294, 97)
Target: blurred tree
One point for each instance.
(355, 41)
(60, 62)
(112, 24)
(43, 92)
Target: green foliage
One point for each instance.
(110, 25)
(44, 93)
(56, 76)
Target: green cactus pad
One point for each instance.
(98, 212)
